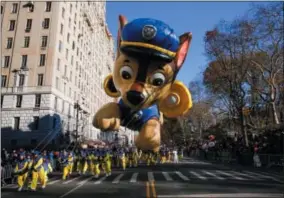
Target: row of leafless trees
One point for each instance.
(243, 84)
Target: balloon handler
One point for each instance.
(149, 57)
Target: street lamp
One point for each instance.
(78, 108)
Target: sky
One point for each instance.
(195, 17)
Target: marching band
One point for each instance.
(34, 166)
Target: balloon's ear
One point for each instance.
(110, 88)
(185, 41)
(122, 22)
(177, 102)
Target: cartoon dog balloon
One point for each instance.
(149, 56)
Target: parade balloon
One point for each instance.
(149, 57)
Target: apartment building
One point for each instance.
(55, 56)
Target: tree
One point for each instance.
(200, 115)
(245, 70)
(172, 132)
(228, 46)
(267, 61)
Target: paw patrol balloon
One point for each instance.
(149, 57)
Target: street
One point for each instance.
(190, 178)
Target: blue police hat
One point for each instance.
(152, 35)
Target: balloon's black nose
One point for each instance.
(135, 97)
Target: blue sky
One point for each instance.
(195, 17)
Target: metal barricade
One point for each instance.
(6, 173)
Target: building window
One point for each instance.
(24, 61)
(42, 60)
(22, 80)
(70, 76)
(68, 37)
(44, 41)
(57, 83)
(40, 80)
(46, 23)
(65, 70)
(37, 100)
(19, 101)
(73, 45)
(2, 9)
(69, 92)
(36, 122)
(55, 103)
(12, 25)
(14, 8)
(48, 6)
(29, 25)
(6, 61)
(71, 6)
(69, 22)
(72, 60)
(75, 18)
(64, 88)
(63, 12)
(58, 64)
(27, 41)
(2, 100)
(66, 54)
(3, 80)
(9, 43)
(61, 29)
(60, 46)
(16, 123)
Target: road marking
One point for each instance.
(71, 180)
(134, 178)
(76, 188)
(153, 189)
(53, 182)
(230, 175)
(167, 176)
(235, 195)
(100, 180)
(213, 175)
(85, 181)
(150, 176)
(117, 179)
(264, 176)
(246, 175)
(185, 178)
(197, 175)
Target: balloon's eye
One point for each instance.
(158, 79)
(126, 72)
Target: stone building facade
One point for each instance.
(55, 56)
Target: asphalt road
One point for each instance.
(190, 178)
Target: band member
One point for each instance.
(37, 171)
(21, 171)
